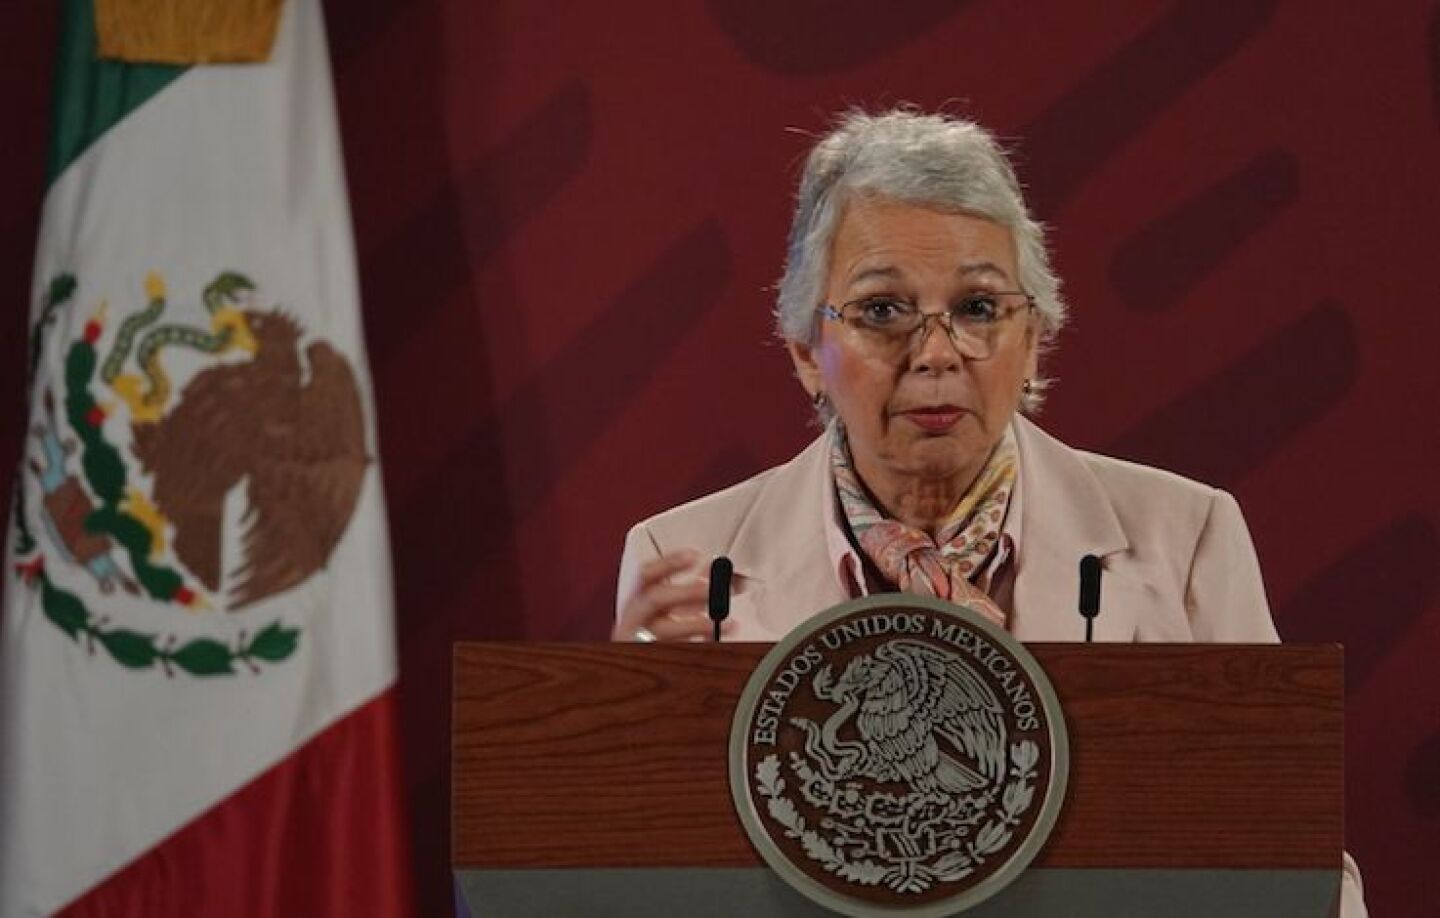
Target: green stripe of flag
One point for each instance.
(91, 95)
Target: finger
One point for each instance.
(667, 565)
(657, 601)
(665, 597)
(688, 625)
(677, 624)
(693, 619)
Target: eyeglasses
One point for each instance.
(887, 324)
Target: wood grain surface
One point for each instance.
(615, 755)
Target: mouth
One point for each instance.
(934, 418)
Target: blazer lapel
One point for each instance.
(1066, 515)
(782, 563)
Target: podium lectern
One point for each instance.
(592, 779)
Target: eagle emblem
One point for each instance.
(922, 716)
(197, 465)
(287, 427)
(933, 762)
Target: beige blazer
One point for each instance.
(1178, 561)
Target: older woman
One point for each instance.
(916, 304)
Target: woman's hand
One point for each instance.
(667, 609)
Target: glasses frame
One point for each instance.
(974, 351)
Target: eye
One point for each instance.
(978, 309)
(882, 311)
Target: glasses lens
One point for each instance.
(972, 340)
(975, 324)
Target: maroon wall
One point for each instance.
(568, 223)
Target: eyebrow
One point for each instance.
(983, 267)
(890, 272)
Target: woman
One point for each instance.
(916, 304)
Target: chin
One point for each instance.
(943, 456)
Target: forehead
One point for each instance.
(879, 237)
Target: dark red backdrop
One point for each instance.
(569, 216)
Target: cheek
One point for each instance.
(856, 381)
(1000, 385)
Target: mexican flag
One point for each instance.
(197, 662)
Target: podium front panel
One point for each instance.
(594, 767)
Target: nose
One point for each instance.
(935, 351)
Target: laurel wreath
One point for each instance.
(105, 473)
(136, 650)
(1016, 798)
(60, 290)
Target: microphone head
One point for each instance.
(1090, 586)
(720, 572)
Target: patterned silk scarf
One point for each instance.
(909, 558)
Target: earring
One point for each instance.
(1027, 388)
(819, 400)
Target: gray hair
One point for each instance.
(932, 160)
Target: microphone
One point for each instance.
(720, 571)
(1089, 593)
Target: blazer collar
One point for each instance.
(1065, 505)
(1066, 511)
(783, 572)
(780, 547)
(1066, 514)
(782, 535)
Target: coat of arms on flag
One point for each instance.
(137, 468)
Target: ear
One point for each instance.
(1032, 352)
(806, 368)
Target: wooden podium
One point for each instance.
(592, 779)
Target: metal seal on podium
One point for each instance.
(898, 755)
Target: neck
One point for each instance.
(918, 501)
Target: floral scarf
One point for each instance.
(911, 559)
